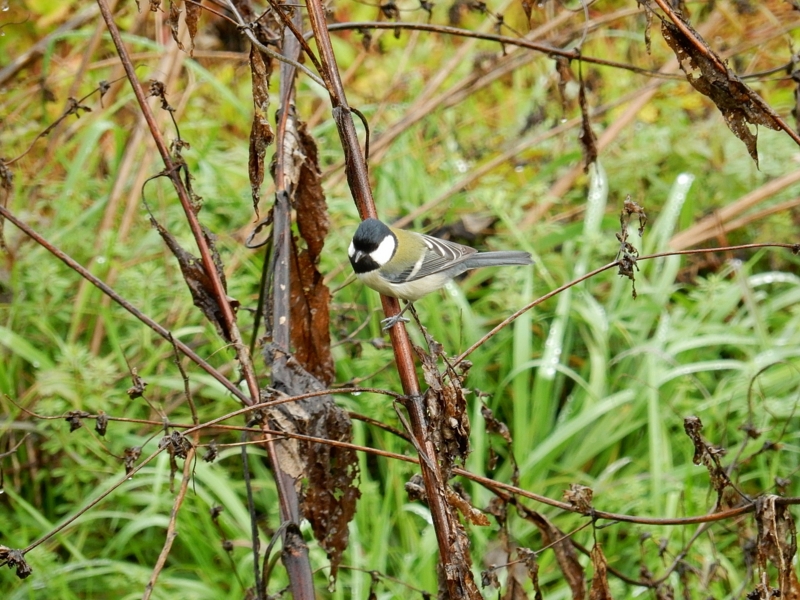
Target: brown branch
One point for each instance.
(453, 555)
(103, 287)
(172, 171)
(501, 39)
(508, 320)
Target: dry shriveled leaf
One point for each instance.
(331, 473)
(528, 557)
(580, 497)
(777, 543)
(564, 76)
(707, 455)
(261, 134)
(192, 18)
(309, 199)
(457, 497)
(14, 558)
(310, 315)
(527, 8)
(172, 22)
(310, 297)
(197, 280)
(599, 589)
(565, 553)
(710, 76)
(448, 420)
(587, 136)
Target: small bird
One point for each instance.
(408, 265)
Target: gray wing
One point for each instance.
(440, 255)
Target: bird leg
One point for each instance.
(390, 322)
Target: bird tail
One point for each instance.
(498, 259)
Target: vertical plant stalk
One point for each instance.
(454, 556)
(284, 488)
(172, 532)
(295, 550)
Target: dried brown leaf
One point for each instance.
(587, 136)
(565, 553)
(74, 418)
(777, 543)
(330, 472)
(15, 558)
(528, 557)
(494, 425)
(580, 497)
(527, 8)
(101, 423)
(261, 133)
(710, 76)
(139, 384)
(192, 18)
(707, 455)
(172, 22)
(309, 199)
(310, 317)
(564, 77)
(489, 578)
(194, 273)
(457, 497)
(599, 589)
(130, 456)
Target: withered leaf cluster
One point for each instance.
(328, 473)
(708, 74)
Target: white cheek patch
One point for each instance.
(384, 252)
(351, 251)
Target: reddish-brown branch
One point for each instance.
(452, 554)
(171, 170)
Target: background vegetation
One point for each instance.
(470, 139)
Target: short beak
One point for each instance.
(358, 256)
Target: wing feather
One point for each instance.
(440, 255)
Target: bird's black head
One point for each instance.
(373, 246)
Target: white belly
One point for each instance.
(411, 291)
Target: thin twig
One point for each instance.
(172, 532)
(269, 51)
(140, 316)
(508, 320)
